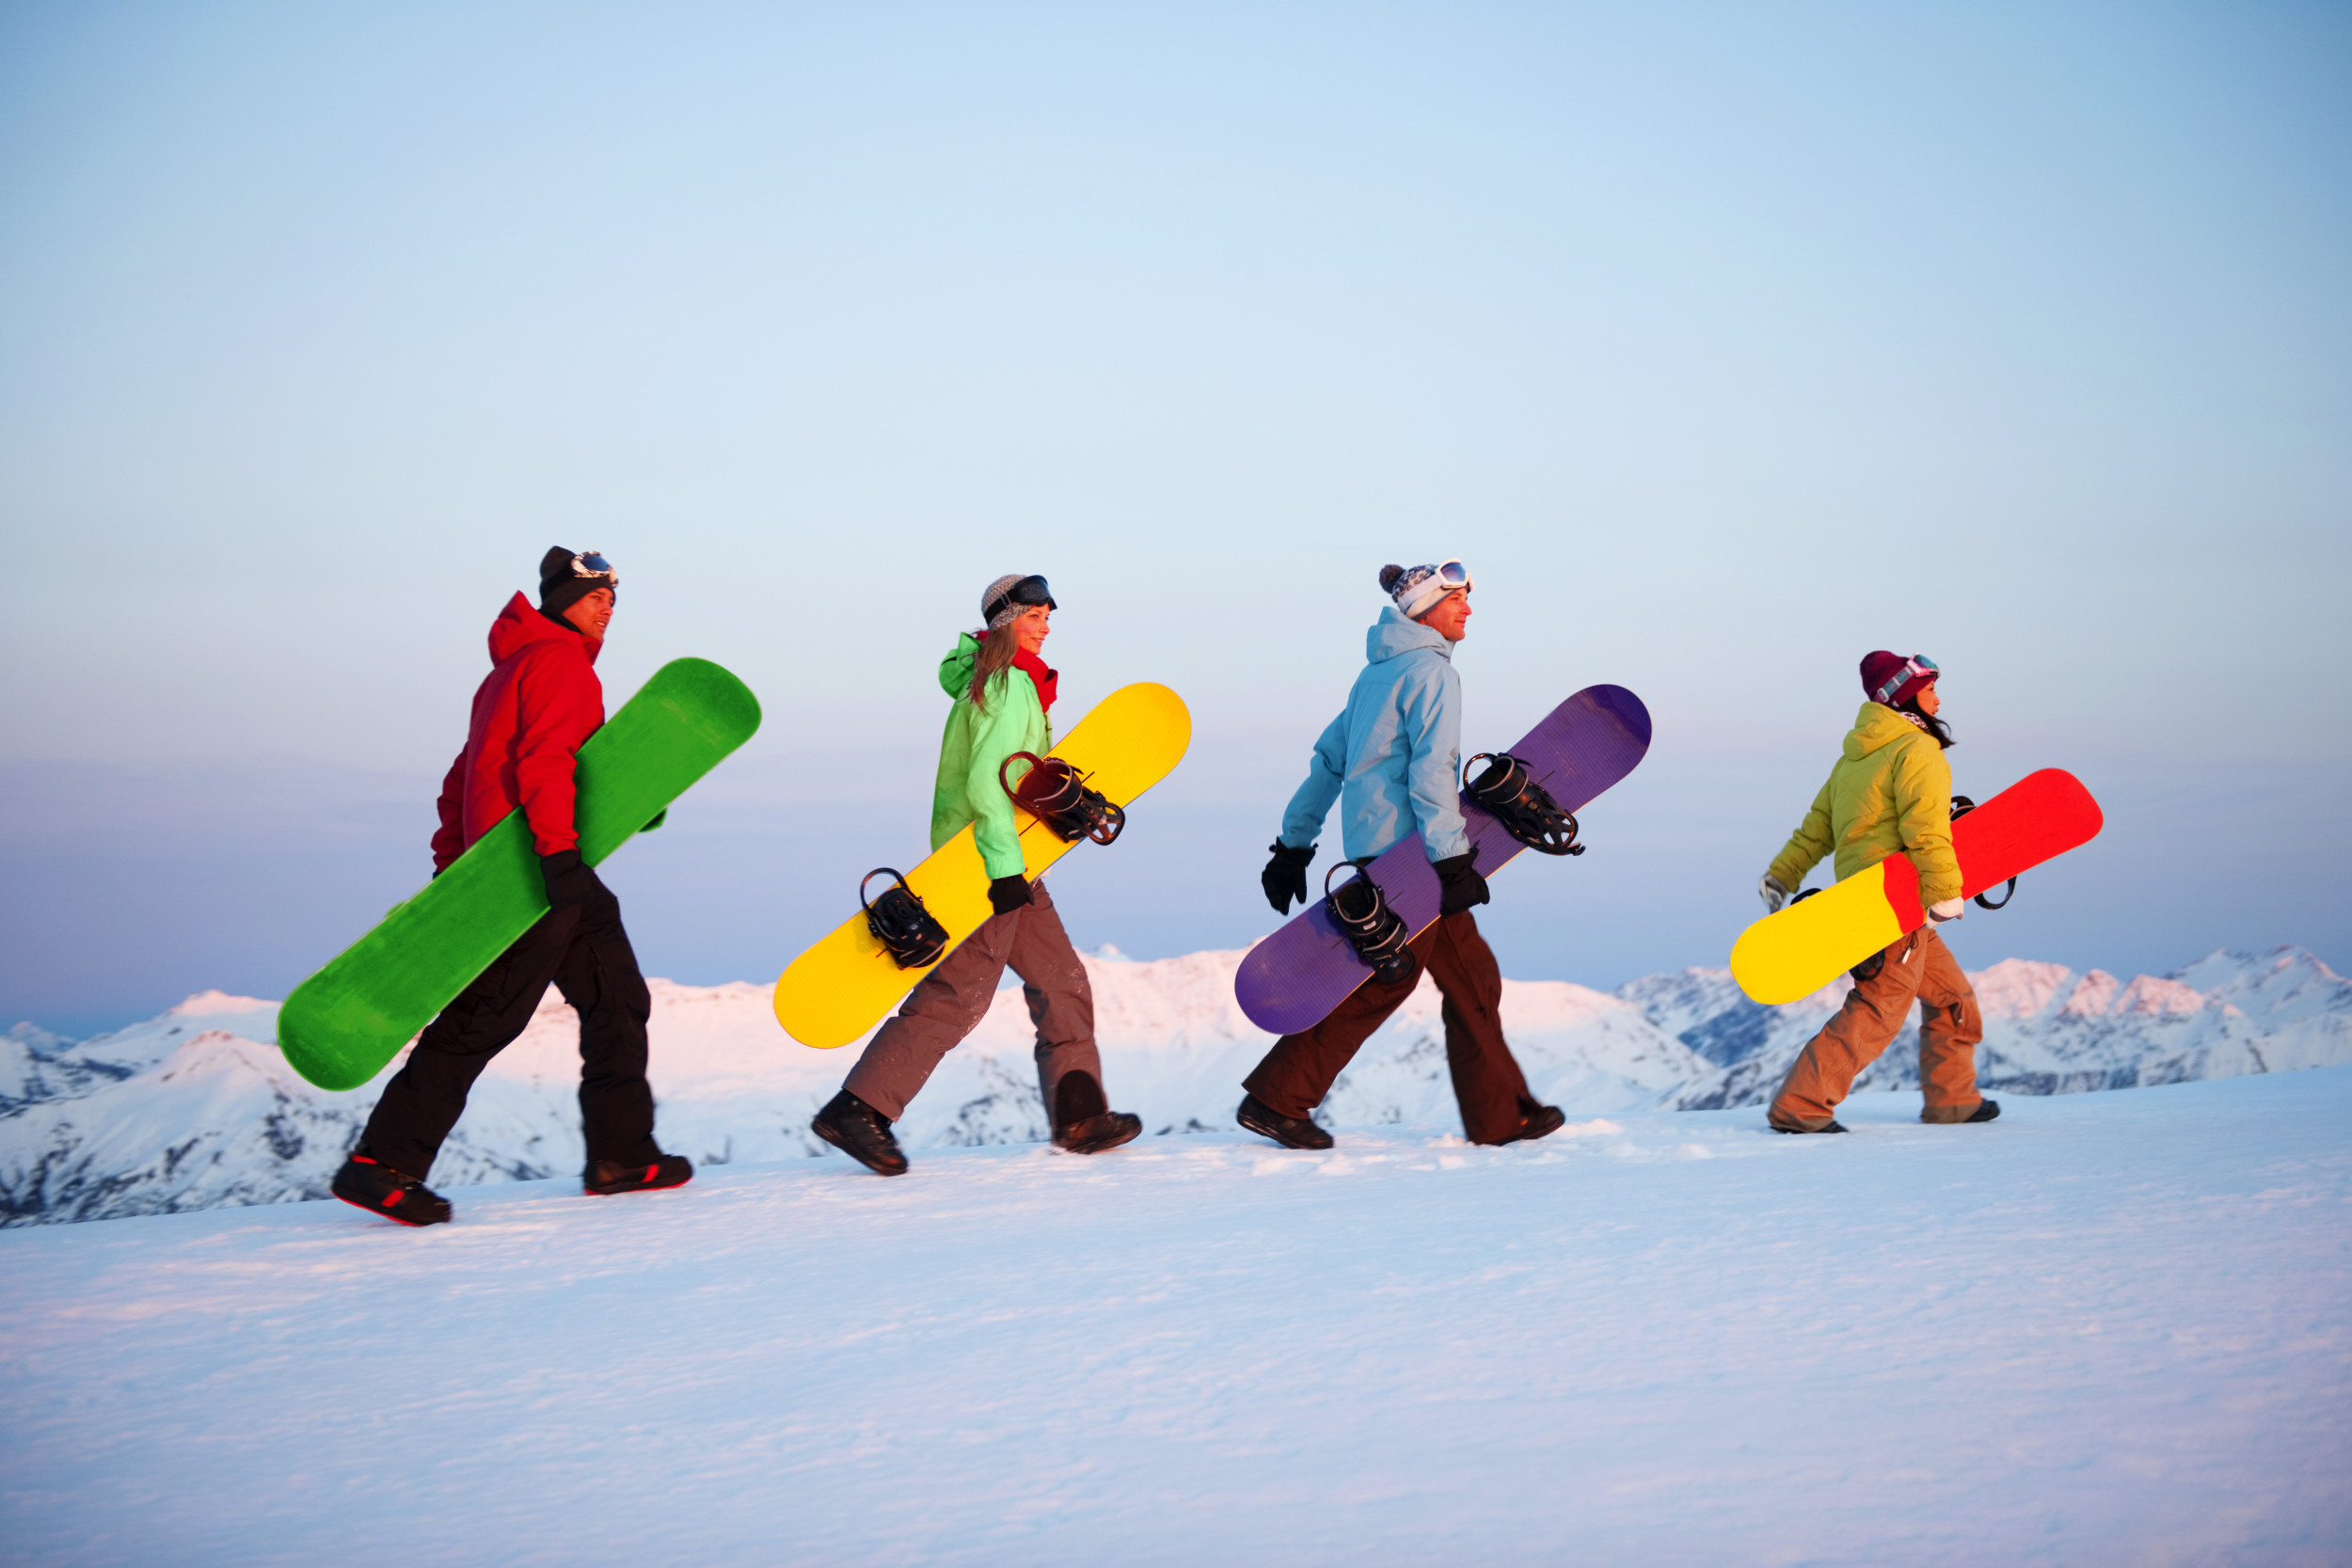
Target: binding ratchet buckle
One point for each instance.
(1961, 806)
(901, 924)
(1057, 795)
(1375, 931)
(1508, 792)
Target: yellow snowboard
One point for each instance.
(843, 986)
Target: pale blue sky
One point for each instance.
(1725, 342)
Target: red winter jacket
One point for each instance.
(539, 702)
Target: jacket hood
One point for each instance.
(1875, 726)
(519, 625)
(955, 670)
(1397, 633)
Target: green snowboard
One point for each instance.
(343, 1024)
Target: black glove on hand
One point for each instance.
(1458, 875)
(1285, 878)
(1008, 894)
(570, 880)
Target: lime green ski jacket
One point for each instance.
(976, 743)
(1892, 790)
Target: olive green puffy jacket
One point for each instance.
(975, 744)
(1891, 790)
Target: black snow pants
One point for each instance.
(583, 950)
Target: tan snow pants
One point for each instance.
(950, 1001)
(1918, 968)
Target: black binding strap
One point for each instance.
(900, 923)
(1508, 791)
(1961, 806)
(1375, 931)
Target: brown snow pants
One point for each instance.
(1918, 968)
(951, 1000)
(1488, 1083)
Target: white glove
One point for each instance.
(1952, 908)
(1774, 895)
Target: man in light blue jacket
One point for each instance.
(1393, 760)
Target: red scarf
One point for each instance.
(1039, 677)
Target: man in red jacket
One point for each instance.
(541, 700)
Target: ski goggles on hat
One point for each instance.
(1424, 586)
(1029, 592)
(588, 564)
(1917, 666)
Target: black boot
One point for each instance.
(1832, 1126)
(606, 1177)
(1084, 1122)
(862, 1132)
(366, 1182)
(1985, 1112)
(1290, 1132)
(1542, 1122)
(1099, 1132)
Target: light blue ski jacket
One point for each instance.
(1394, 759)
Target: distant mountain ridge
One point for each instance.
(195, 1108)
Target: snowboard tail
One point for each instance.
(1803, 947)
(844, 985)
(343, 1024)
(1291, 979)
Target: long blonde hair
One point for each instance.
(997, 655)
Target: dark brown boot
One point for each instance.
(1290, 1132)
(862, 1132)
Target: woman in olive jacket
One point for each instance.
(1004, 695)
(1890, 793)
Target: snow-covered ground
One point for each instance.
(197, 1108)
(2106, 1328)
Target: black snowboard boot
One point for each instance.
(1084, 1123)
(1542, 1122)
(365, 1182)
(862, 1132)
(1290, 1132)
(1985, 1112)
(1832, 1126)
(606, 1177)
(1099, 1132)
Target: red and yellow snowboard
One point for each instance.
(842, 986)
(1795, 953)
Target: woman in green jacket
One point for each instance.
(1003, 696)
(1890, 793)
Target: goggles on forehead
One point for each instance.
(1917, 665)
(1029, 592)
(588, 564)
(1454, 575)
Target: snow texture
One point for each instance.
(2106, 1328)
(196, 1109)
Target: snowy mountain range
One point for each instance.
(196, 1109)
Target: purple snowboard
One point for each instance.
(1291, 980)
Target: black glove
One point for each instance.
(1458, 875)
(1285, 878)
(570, 880)
(1008, 894)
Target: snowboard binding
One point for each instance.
(1057, 795)
(901, 924)
(1507, 791)
(1375, 931)
(1961, 806)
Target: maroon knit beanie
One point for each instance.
(1907, 677)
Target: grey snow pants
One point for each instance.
(951, 999)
